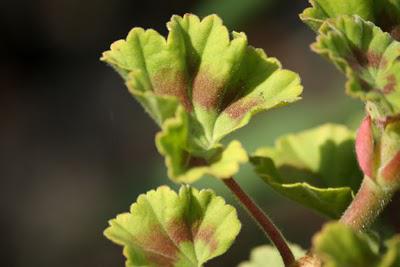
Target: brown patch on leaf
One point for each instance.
(197, 161)
(176, 86)
(206, 90)
(365, 86)
(390, 119)
(391, 84)
(158, 248)
(239, 108)
(179, 231)
(207, 235)
(361, 59)
(395, 32)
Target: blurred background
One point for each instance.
(76, 149)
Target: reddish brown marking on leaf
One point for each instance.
(207, 235)
(158, 247)
(238, 109)
(179, 231)
(197, 161)
(391, 172)
(391, 84)
(363, 59)
(365, 86)
(176, 85)
(365, 147)
(376, 60)
(390, 119)
(206, 90)
(395, 32)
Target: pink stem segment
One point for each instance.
(368, 203)
(263, 220)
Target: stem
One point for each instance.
(368, 203)
(262, 219)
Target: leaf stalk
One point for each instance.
(271, 231)
(366, 206)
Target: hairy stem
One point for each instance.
(263, 220)
(368, 203)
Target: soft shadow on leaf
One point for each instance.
(317, 168)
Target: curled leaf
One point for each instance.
(316, 167)
(185, 167)
(369, 58)
(383, 13)
(168, 229)
(200, 69)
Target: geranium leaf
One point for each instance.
(268, 256)
(392, 256)
(185, 167)
(317, 168)
(384, 13)
(339, 246)
(368, 56)
(216, 78)
(168, 229)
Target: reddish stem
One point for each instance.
(263, 220)
(368, 203)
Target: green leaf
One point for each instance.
(268, 256)
(316, 167)
(187, 167)
(215, 78)
(392, 256)
(369, 58)
(384, 13)
(339, 246)
(168, 229)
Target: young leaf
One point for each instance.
(168, 229)
(384, 13)
(339, 246)
(214, 78)
(368, 56)
(186, 167)
(317, 168)
(268, 256)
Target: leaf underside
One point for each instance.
(199, 84)
(316, 168)
(168, 229)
